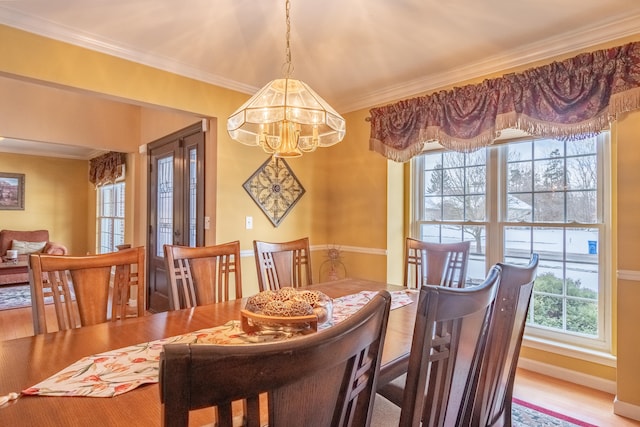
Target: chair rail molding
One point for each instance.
(629, 275)
(356, 249)
(314, 248)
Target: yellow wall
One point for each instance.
(55, 198)
(628, 291)
(40, 113)
(228, 164)
(349, 188)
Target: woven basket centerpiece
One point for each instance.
(286, 309)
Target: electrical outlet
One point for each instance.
(248, 222)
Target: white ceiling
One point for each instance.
(354, 53)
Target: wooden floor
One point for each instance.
(586, 404)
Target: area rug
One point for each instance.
(14, 296)
(18, 296)
(525, 414)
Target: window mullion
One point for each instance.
(495, 185)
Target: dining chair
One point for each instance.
(326, 378)
(203, 275)
(444, 363)
(428, 263)
(493, 402)
(101, 285)
(283, 264)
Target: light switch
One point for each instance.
(207, 222)
(248, 222)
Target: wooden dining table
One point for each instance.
(25, 362)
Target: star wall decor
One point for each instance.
(275, 189)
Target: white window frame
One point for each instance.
(546, 339)
(104, 247)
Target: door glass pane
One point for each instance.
(164, 227)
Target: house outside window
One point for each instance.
(513, 199)
(110, 217)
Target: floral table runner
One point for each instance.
(118, 371)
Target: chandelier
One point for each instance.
(286, 117)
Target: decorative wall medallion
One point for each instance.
(275, 188)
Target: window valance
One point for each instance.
(107, 168)
(572, 99)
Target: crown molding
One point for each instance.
(544, 49)
(44, 28)
(623, 26)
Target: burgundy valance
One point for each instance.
(572, 99)
(107, 168)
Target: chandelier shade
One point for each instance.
(286, 117)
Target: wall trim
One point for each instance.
(527, 54)
(564, 374)
(625, 409)
(356, 249)
(629, 275)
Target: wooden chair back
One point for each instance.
(203, 275)
(284, 264)
(493, 405)
(428, 263)
(101, 285)
(321, 379)
(446, 351)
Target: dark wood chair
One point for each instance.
(493, 404)
(446, 352)
(428, 263)
(203, 275)
(321, 379)
(283, 264)
(101, 283)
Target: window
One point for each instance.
(110, 217)
(535, 195)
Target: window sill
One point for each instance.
(595, 356)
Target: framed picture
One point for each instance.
(11, 191)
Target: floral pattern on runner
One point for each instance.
(118, 371)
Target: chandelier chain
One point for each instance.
(288, 36)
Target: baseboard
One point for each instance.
(625, 409)
(564, 374)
